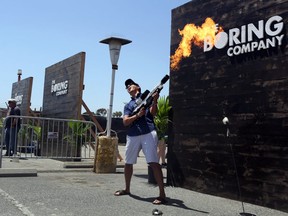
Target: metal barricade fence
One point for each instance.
(38, 137)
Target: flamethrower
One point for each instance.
(146, 98)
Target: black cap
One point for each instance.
(130, 82)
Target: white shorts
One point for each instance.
(147, 142)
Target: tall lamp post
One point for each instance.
(114, 48)
(106, 153)
(19, 73)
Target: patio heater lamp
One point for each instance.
(114, 48)
(227, 123)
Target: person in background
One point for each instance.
(162, 151)
(141, 134)
(120, 158)
(12, 127)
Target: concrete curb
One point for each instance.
(9, 172)
(69, 165)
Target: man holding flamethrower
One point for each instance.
(139, 117)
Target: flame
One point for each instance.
(192, 34)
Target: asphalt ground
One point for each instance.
(61, 188)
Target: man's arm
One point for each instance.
(17, 112)
(127, 120)
(153, 107)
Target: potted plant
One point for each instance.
(29, 136)
(161, 122)
(77, 137)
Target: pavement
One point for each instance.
(180, 201)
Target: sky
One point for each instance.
(37, 34)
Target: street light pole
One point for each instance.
(114, 48)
